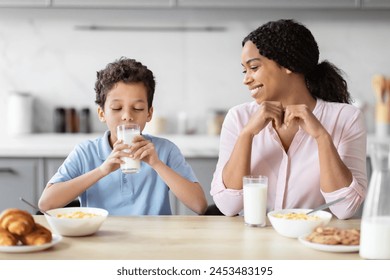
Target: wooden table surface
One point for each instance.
(182, 238)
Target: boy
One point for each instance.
(124, 94)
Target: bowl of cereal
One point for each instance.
(76, 221)
(294, 223)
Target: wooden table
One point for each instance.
(182, 238)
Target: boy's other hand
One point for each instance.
(144, 150)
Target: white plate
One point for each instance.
(31, 248)
(329, 248)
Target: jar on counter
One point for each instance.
(59, 120)
(85, 122)
(71, 120)
(215, 121)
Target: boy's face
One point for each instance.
(125, 103)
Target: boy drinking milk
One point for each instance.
(91, 172)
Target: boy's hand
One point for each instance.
(113, 161)
(144, 150)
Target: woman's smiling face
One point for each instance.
(265, 79)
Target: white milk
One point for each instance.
(130, 165)
(255, 204)
(375, 238)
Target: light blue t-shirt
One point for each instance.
(143, 193)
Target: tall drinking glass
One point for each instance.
(255, 200)
(127, 132)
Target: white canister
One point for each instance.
(20, 114)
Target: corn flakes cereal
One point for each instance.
(76, 215)
(296, 216)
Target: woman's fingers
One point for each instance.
(274, 111)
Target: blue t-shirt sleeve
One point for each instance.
(70, 168)
(177, 162)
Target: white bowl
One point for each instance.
(76, 226)
(296, 228)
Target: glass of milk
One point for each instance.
(255, 200)
(375, 227)
(127, 132)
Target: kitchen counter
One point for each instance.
(57, 145)
(182, 238)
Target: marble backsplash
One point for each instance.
(52, 55)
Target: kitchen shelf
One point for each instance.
(197, 4)
(113, 3)
(270, 3)
(25, 3)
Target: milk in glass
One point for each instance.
(375, 226)
(255, 200)
(375, 239)
(127, 133)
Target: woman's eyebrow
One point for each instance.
(250, 60)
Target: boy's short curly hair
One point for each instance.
(123, 70)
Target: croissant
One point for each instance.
(38, 236)
(17, 221)
(7, 238)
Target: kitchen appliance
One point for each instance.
(20, 113)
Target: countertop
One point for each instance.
(53, 145)
(183, 238)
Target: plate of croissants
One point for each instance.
(19, 233)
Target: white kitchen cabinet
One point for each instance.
(20, 177)
(51, 167)
(25, 3)
(113, 3)
(204, 168)
(270, 3)
(374, 4)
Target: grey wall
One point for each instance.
(42, 52)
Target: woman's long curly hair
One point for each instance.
(291, 45)
(123, 70)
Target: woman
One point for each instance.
(299, 131)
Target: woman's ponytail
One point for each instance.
(326, 82)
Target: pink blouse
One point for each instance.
(294, 177)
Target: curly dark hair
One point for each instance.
(123, 70)
(292, 45)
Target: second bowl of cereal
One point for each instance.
(295, 222)
(76, 221)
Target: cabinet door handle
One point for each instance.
(7, 170)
